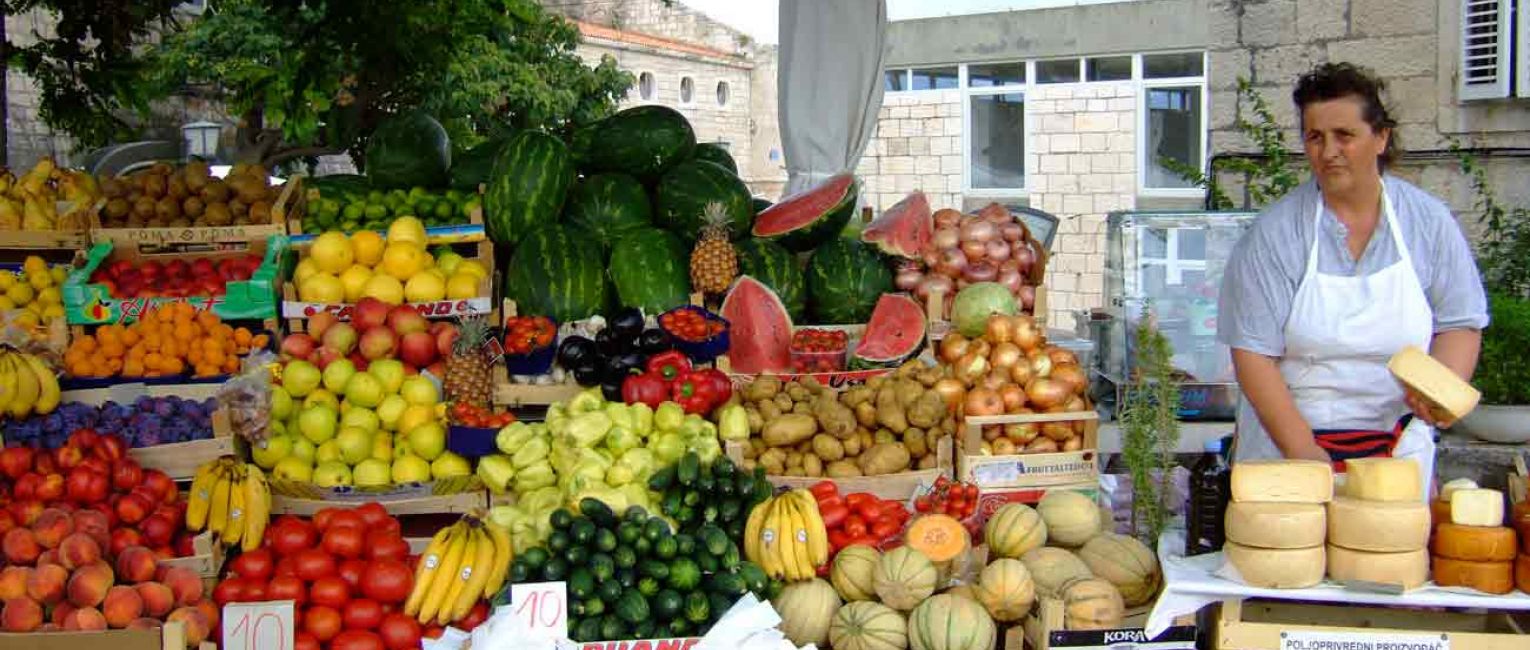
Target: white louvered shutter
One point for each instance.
(1522, 49)
(1486, 50)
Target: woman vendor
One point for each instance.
(1333, 279)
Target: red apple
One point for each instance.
(446, 336)
(320, 322)
(323, 356)
(51, 488)
(340, 337)
(438, 369)
(378, 343)
(298, 346)
(404, 320)
(16, 461)
(369, 313)
(68, 456)
(127, 475)
(83, 438)
(417, 349)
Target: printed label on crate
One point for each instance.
(1178, 637)
(1036, 469)
(835, 380)
(989, 502)
(1322, 640)
(113, 311)
(200, 235)
(643, 644)
(542, 608)
(437, 309)
(258, 626)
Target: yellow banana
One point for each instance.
(200, 496)
(217, 513)
(27, 390)
(473, 578)
(801, 566)
(445, 575)
(429, 564)
(47, 383)
(7, 382)
(817, 533)
(237, 506)
(257, 508)
(503, 555)
(771, 540)
(752, 528)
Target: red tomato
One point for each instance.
(386, 545)
(855, 500)
(289, 537)
(344, 540)
(254, 591)
(256, 565)
(322, 622)
(399, 632)
(322, 518)
(285, 567)
(329, 591)
(869, 510)
(350, 571)
(356, 640)
(387, 581)
(346, 518)
(231, 590)
(432, 632)
(922, 504)
(838, 539)
(361, 614)
(885, 528)
(287, 588)
(372, 513)
(312, 564)
(475, 616)
(833, 514)
(305, 641)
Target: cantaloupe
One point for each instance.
(904, 577)
(807, 608)
(1005, 589)
(1092, 604)
(1013, 530)
(867, 625)
(1052, 567)
(940, 537)
(1125, 562)
(1071, 517)
(965, 591)
(948, 622)
(853, 570)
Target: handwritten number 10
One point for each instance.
(540, 615)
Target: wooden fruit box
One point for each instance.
(1044, 629)
(464, 494)
(181, 459)
(190, 239)
(1030, 470)
(88, 303)
(991, 499)
(1257, 624)
(207, 559)
(44, 240)
(171, 636)
(901, 485)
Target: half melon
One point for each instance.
(804, 220)
(760, 329)
(895, 333)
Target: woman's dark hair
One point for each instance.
(1329, 81)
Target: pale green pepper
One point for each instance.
(669, 417)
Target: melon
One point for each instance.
(760, 329)
(852, 572)
(1072, 518)
(1125, 562)
(804, 220)
(903, 578)
(975, 303)
(939, 537)
(905, 229)
(807, 608)
(1013, 530)
(948, 622)
(1006, 590)
(868, 625)
(1053, 567)
(894, 334)
(1092, 604)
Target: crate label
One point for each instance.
(1025, 471)
(199, 235)
(542, 608)
(437, 309)
(643, 644)
(1311, 640)
(113, 311)
(258, 626)
(1178, 637)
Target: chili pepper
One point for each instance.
(693, 392)
(649, 389)
(669, 365)
(823, 490)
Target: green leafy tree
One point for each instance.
(1271, 174)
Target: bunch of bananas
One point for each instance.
(33, 201)
(232, 499)
(785, 536)
(465, 562)
(27, 385)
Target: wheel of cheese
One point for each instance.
(1522, 573)
(1439, 512)
(1268, 568)
(1378, 526)
(1276, 525)
(1282, 481)
(1487, 577)
(1383, 479)
(1409, 568)
(1474, 543)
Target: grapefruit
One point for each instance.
(385, 288)
(322, 287)
(403, 260)
(407, 230)
(368, 247)
(354, 280)
(425, 287)
(332, 252)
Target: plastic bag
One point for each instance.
(246, 397)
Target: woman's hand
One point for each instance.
(1422, 410)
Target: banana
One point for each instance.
(237, 505)
(771, 540)
(503, 555)
(460, 578)
(817, 533)
(473, 578)
(27, 389)
(217, 514)
(47, 383)
(7, 382)
(799, 565)
(752, 533)
(445, 575)
(257, 508)
(200, 496)
(429, 564)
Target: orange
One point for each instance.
(113, 350)
(171, 349)
(130, 337)
(173, 366)
(259, 341)
(230, 364)
(132, 368)
(85, 343)
(152, 342)
(242, 336)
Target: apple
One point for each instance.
(449, 465)
(303, 449)
(378, 343)
(267, 453)
(320, 323)
(390, 410)
(332, 474)
(281, 403)
(325, 356)
(373, 472)
(382, 446)
(293, 468)
(417, 349)
(437, 369)
(337, 374)
(26, 486)
(405, 320)
(361, 418)
(420, 391)
(446, 336)
(354, 443)
(16, 461)
(428, 440)
(369, 313)
(298, 346)
(317, 423)
(299, 378)
(388, 371)
(340, 337)
(361, 362)
(364, 391)
(410, 469)
(322, 397)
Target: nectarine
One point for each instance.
(121, 606)
(21, 615)
(88, 585)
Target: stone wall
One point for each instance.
(916, 146)
(675, 21)
(27, 138)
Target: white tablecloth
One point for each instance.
(1191, 583)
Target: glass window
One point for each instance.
(687, 90)
(1192, 244)
(934, 78)
(645, 85)
(1060, 71)
(987, 75)
(997, 155)
(1108, 68)
(1155, 243)
(1153, 279)
(1173, 134)
(1168, 66)
(722, 93)
(894, 80)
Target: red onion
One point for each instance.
(981, 231)
(1027, 297)
(907, 279)
(1011, 231)
(946, 238)
(980, 271)
(1011, 280)
(931, 257)
(1024, 258)
(974, 250)
(998, 251)
(1009, 265)
(947, 218)
(951, 262)
(998, 217)
(934, 283)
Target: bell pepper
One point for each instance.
(650, 389)
(722, 386)
(669, 365)
(694, 392)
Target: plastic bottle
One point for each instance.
(1210, 490)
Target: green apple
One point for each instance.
(401, 446)
(428, 440)
(278, 428)
(329, 452)
(390, 410)
(448, 262)
(364, 390)
(382, 446)
(337, 373)
(302, 448)
(322, 397)
(388, 371)
(317, 423)
(293, 468)
(410, 469)
(420, 390)
(373, 473)
(361, 419)
(267, 453)
(332, 474)
(355, 444)
(281, 403)
(414, 416)
(299, 377)
(449, 465)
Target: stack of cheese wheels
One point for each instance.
(1276, 522)
(1378, 532)
(1475, 549)
(1439, 509)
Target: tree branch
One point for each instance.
(284, 155)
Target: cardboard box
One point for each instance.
(463, 494)
(87, 303)
(1043, 629)
(170, 637)
(901, 485)
(1031, 470)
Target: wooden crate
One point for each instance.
(1044, 629)
(1266, 624)
(469, 501)
(44, 240)
(991, 499)
(1030, 470)
(207, 557)
(171, 636)
(181, 459)
(901, 485)
(206, 238)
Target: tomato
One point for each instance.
(312, 564)
(329, 591)
(344, 540)
(432, 631)
(885, 528)
(838, 539)
(824, 490)
(361, 614)
(475, 616)
(387, 581)
(350, 571)
(322, 622)
(254, 591)
(285, 567)
(386, 545)
(257, 564)
(855, 526)
(399, 632)
(922, 504)
(869, 510)
(287, 588)
(322, 518)
(231, 590)
(288, 538)
(372, 513)
(833, 514)
(305, 641)
(346, 518)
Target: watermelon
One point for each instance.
(528, 186)
(556, 273)
(804, 220)
(760, 330)
(644, 141)
(776, 268)
(409, 150)
(844, 280)
(608, 206)
(651, 270)
(475, 166)
(760, 204)
(895, 333)
(713, 152)
(904, 230)
(685, 191)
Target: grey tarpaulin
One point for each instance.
(830, 80)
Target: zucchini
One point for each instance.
(577, 556)
(662, 479)
(602, 566)
(655, 529)
(609, 591)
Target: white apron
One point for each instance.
(1341, 332)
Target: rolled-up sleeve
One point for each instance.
(1257, 290)
(1455, 291)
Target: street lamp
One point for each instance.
(202, 139)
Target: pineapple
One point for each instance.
(467, 370)
(714, 263)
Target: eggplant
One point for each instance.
(609, 343)
(632, 361)
(653, 341)
(588, 374)
(612, 390)
(611, 369)
(575, 350)
(628, 322)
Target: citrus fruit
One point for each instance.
(355, 281)
(304, 269)
(473, 267)
(322, 287)
(461, 286)
(332, 252)
(407, 229)
(368, 246)
(384, 287)
(403, 260)
(425, 287)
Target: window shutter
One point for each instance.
(1485, 49)
(1522, 49)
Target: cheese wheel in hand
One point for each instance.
(1474, 543)
(1487, 577)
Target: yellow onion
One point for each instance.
(970, 367)
(1022, 432)
(995, 380)
(992, 432)
(1005, 355)
(1021, 373)
(1058, 431)
(1041, 445)
(1041, 364)
(1073, 444)
(1071, 375)
(1024, 333)
(1075, 404)
(1045, 393)
(952, 391)
(953, 346)
(1000, 329)
(1061, 356)
(983, 401)
(1003, 447)
(981, 347)
(1013, 396)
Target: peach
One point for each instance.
(20, 546)
(46, 585)
(49, 556)
(121, 606)
(21, 615)
(85, 619)
(209, 610)
(77, 550)
(185, 583)
(61, 613)
(136, 564)
(197, 626)
(144, 624)
(92, 522)
(158, 600)
(52, 526)
(13, 582)
(88, 585)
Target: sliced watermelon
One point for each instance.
(905, 229)
(760, 336)
(895, 333)
(804, 220)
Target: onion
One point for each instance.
(981, 347)
(1009, 265)
(1011, 280)
(1005, 355)
(908, 279)
(998, 217)
(1058, 431)
(999, 329)
(1073, 444)
(997, 250)
(1021, 373)
(1025, 258)
(930, 258)
(953, 346)
(1041, 445)
(1071, 375)
(947, 218)
(1061, 355)
(1075, 404)
(980, 231)
(951, 262)
(961, 283)
(1011, 231)
(994, 380)
(980, 271)
(970, 367)
(936, 283)
(1028, 297)
(946, 238)
(1045, 393)
(983, 401)
(1022, 432)
(1013, 396)
(992, 432)
(974, 250)
(1026, 334)
(951, 391)
(1004, 447)
(1041, 364)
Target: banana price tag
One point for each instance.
(542, 607)
(258, 626)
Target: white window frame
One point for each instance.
(967, 93)
(1522, 50)
(680, 90)
(1143, 84)
(1174, 267)
(1509, 54)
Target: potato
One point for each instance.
(929, 376)
(842, 469)
(751, 451)
(774, 462)
(811, 383)
(769, 412)
(762, 388)
(889, 411)
(750, 464)
(866, 414)
(795, 470)
(914, 439)
(828, 447)
(875, 383)
(803, 408)
(789, 429)
(795, 391)
(884, 458)
(758, 445)
(834, 418)
(884, 436)
(867, 439)
(926, 411)
(909, 391)
(793, 457)
(756, 421)
(857, 396)
(783, 402)
(852, 446)
(928, 462)
(805, 447)
(812, 466)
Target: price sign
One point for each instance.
(1306, 640)
(258, 626)
(542, 607)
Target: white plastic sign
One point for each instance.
(258, 626)
(1305, 640)
(542, 607)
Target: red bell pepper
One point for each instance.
(722, 386)
(649, 389)
(694, 393)
(669, 365)
(823, 490)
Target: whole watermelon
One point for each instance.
(684, 192)
(409, 150)
(716, 153)
(609, 206)
(555, 273)
(844, 279)
(776, 268)
(475, 166)
(651, 271)
(644, 141)
(528, 186)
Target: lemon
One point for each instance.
(425, 287)
(7, 279)
(35, 307)
(305, 268)
(368, 246)
(50, 296)
(21, 293)
(448, 262)
(60, 274)
(322, 287)
(403, 261)
(473, 267)
(407, 230)
(53, 311)
(461, 286)
(384, 287)
(354, 280)
(34, 265)
(40, 281)
(332, 252)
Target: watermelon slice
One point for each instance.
(904, 230)
(760, 336)
(804, 220)
(895, 333)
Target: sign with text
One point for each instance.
(437, 309)
(684, 643)
(1309, 640)
(258, 626)
(542, 607)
